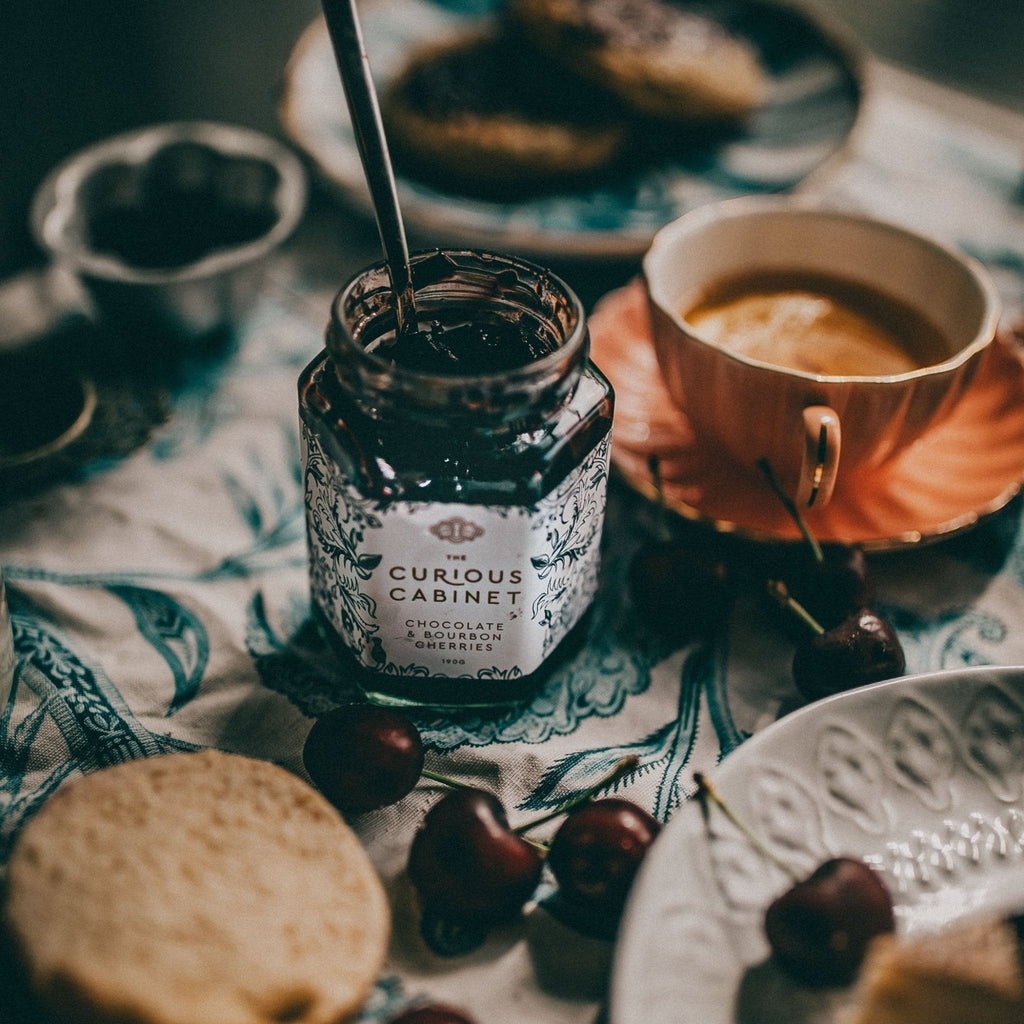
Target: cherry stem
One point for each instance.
(765, 466)
(654, 465)
(621, 768)
(445, 780)
(707, 792)
(781, 593)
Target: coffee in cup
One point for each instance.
(815, 323)
(812, 338)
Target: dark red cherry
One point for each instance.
(679, 580)
(820, 929)
(597, 851)
(829, 580)
(467, 865)
(834, 586)
(680, 587)
(863, 648)
(361, 756)
(432, 1013)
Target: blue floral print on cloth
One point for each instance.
(161, 603)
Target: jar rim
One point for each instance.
(574, 343)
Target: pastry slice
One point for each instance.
(971, 973)
(662, 59)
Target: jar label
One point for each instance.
(454, 590)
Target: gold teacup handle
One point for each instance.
(820, 463)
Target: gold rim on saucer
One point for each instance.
(80, 422)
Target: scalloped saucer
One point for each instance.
(964, 468)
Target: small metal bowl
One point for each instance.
(47, 409)
(168, 228)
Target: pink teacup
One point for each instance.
(765, 377)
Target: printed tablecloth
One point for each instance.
(160, 601)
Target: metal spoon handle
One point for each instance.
(350, 53)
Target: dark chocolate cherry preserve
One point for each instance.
(455, 476)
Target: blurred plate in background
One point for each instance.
(814, 95)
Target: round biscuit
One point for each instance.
(193, 887)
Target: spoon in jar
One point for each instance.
(350, 53)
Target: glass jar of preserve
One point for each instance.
(455, 478)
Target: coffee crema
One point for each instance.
(816, 323)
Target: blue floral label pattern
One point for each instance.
(448, 589)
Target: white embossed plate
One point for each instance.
(922, 776)
(813, 102)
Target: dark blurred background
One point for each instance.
(75, 71)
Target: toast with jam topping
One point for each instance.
(487, 113)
